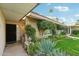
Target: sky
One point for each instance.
(65, 12)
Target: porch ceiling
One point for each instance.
(15, 11)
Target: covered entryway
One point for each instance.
(13, 13)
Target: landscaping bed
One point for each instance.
(60, 47)
(54, 45)
(75, 33)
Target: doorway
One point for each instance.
(10, 33)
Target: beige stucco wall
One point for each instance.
(19, 33)
(2, 33)
(11, 22)
(33, 23)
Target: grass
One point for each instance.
(69, 45)
(63, 42)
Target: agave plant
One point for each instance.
(59, 52)
(47, 48)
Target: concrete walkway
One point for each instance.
(15, 49)
(74, 38)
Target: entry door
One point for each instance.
(10, 33)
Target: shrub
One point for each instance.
(33, 48)
(75, 32)
(60, 27)
(43, 25)
(31, 32)
(45, 47)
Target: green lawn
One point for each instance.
(63, 42)
(69, 45)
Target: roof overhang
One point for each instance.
(41, 17)
(15, 11)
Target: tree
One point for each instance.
(44, 25)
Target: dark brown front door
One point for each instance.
(10, 33)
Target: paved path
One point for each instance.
(74, 38)
(15, 49)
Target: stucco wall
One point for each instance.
(19, 33)
(2, 33)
